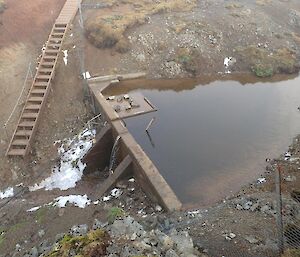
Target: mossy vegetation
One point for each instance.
(188, 58)
(262, 71)
(40, 215)
(17, 226)
(264, 63)
(114, 213)
(2, 238)
(92, 244)
(107, 31)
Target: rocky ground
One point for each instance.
(212, 37)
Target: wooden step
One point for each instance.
(20, 142)
(30, 115)
(16, 152)
(60, 25)
(57, 30)
(45, 70)
(57, 35)
(47, 64)
(55, 40)
(38, 91)
(35, 99)
(33, 107)
(53, 46)
(44, 78)
(52, 52)
(23, 132)
(49, 58)
(26, 124)
(40, 84)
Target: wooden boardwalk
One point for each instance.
(40, 88)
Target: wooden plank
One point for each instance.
(122, 168)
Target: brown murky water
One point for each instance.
(213, 135)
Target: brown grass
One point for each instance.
(108, 31)
(291, 253)
(233, 5)
(296, 37)
(263, 2)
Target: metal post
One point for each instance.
(279, 210)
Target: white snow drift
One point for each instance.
(70, 169)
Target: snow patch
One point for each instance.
(8, 192)
(34, 209)
(261, 180)
(65, 56)
(228, 61)
(116, 192)
(70, 169)
(80, 201)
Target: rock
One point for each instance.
(129, 251)
(126, 227)
(158, 208)
(44, 247)
(41, 233)
(113, 255)
(265, 208)
(34, 252)
(167, 243)
(167, 224)
(252, 239)
(113, 250)
(141, 58)
(172, 68)
(290, 178)
(58, 237)
(247, 205)
(255, 207)
(18, 247)
(229, 236)
(150, 222)
(182, 241)
(239, 207)
(133, 237)
(171, 253)
(79, 230)
(98, 224)
(143, 246)
(164, 241)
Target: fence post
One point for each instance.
(279, 210)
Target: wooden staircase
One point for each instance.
(40, 88)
